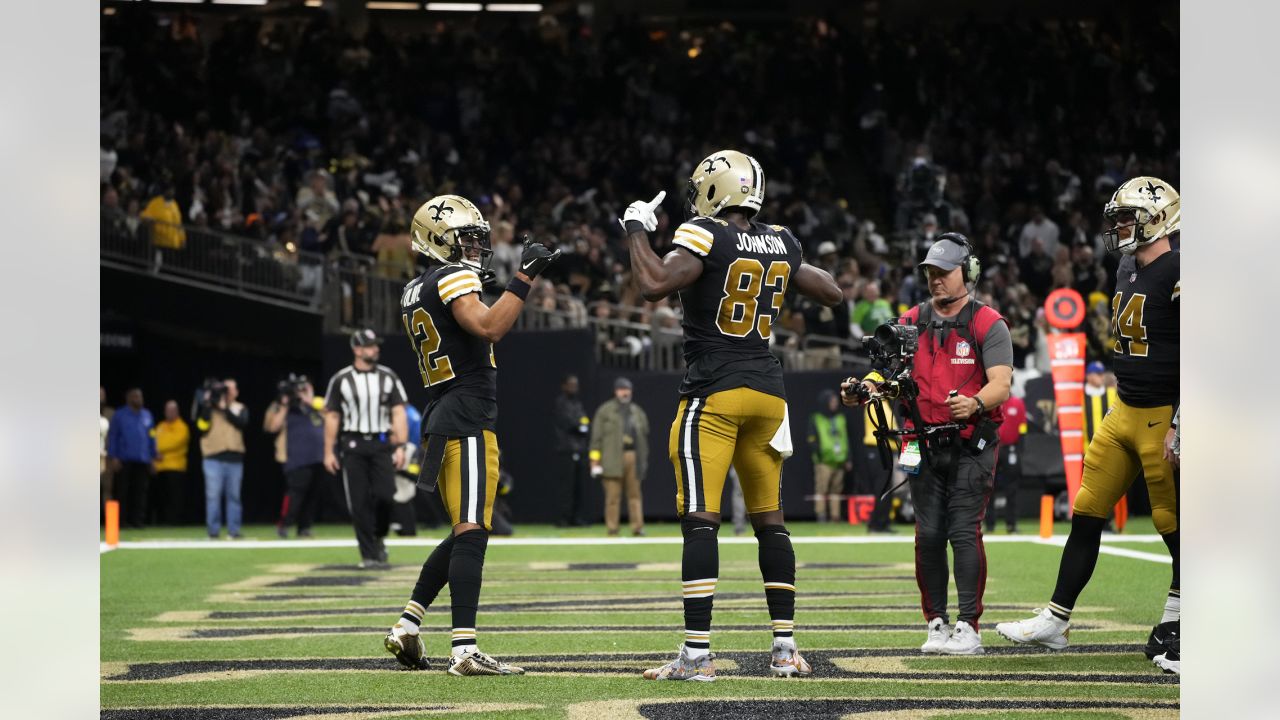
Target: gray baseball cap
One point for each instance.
(944, 254)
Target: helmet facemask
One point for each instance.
(1136, 219)
(470, 245)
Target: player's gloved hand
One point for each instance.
(640, 214)
(536, 257)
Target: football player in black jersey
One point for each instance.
(452, 332)
(1138, 433)
(731, 272)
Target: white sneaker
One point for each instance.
(939, 634)
(1045, 629)
(964, 641)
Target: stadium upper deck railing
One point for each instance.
(219, 261)
(351, 294)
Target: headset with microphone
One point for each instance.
(970, 267)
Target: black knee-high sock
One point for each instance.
(1173, 603)
(778, 569)
(1172, 542)
(700, 569)
(466, 567)
(1078, 560)
(431, 579)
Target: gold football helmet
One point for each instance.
(451, 229)
(724, 179)
(1148, 206)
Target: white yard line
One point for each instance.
(904, 538)
(1121, 552)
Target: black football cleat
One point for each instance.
(1161, 637)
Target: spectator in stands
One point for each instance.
(131, 447)
(619, 452)
(173, 438)
(829, 447)
(165, 219)
(872, 311)
(221, 420)
(573, 433)
(1040, 228)
(295, 419)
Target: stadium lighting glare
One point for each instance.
(514, 7)
(314, 3)
(108, 11)
(380, 5)
(454, 7)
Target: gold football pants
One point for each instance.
(1129, 439)
(731, 427)
(469, 478)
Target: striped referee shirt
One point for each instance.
(365, 398)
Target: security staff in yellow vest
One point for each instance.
(829, 447)
(221, 420)
(1099, 398)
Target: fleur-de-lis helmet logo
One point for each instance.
(438, 211)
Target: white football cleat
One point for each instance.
(1045, 629)
(939, 634)
(964, 641)
(786, 662)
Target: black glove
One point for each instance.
(535, 258)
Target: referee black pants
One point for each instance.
(368, 478)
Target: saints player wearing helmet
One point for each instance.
(731, 272)
(452, 332)
(1138, 433)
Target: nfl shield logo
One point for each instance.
(962, 348)
(1133, 277)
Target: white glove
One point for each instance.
(642, 212)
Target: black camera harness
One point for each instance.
(932, 437)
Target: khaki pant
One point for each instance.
(827, 480)
(613, 488)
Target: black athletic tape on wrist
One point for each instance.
(633, 226)
(519, 288)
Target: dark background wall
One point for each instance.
(166, 338)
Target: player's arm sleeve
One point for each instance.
(455, 285)
(695, 238)
(997, 346)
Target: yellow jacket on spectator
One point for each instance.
(172, 440)
(166, 228)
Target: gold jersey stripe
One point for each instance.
(692, 242)
(457, 279)
(454, 294)
(694, 229)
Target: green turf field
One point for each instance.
(222, 630)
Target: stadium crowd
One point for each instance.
(298, 135)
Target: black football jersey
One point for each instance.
(730, 310)
(457, 368)
(1144, 330)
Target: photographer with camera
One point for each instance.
(221, 421)
(949, 364)
(300, 424)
